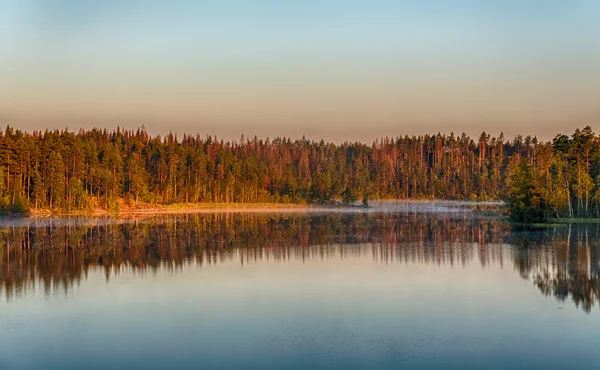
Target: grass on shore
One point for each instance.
(549, 224)
(141, 207)
(556, 222)
(192, 206)
(574, 220)
(124, 206)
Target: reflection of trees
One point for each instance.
(563, 262)
(54, 256)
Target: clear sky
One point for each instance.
(338, 69)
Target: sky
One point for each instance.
(333, 69)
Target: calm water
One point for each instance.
(410, 289)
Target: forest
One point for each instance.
(62, 170)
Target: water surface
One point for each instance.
(411, 288)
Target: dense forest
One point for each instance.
(67, 171)
(62, 170)
(558, 179)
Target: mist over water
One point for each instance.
(421, 285)
(437, 206)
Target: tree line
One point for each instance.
(556, 179)
(63, 170)
(99, 168)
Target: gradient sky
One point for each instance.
(337, 69)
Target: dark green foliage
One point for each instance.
(524, 201)
(556, 180)
(18, 205)
(348, 196)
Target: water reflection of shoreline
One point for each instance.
(563, 263)
(55, 256)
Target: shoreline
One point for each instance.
(203, 208)
(184, 208)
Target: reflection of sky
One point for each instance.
(351, 312)
(301, 67)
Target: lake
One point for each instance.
(413, 287)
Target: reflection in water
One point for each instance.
(563, 262)
(55, 254)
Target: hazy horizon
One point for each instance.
(336, 70)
